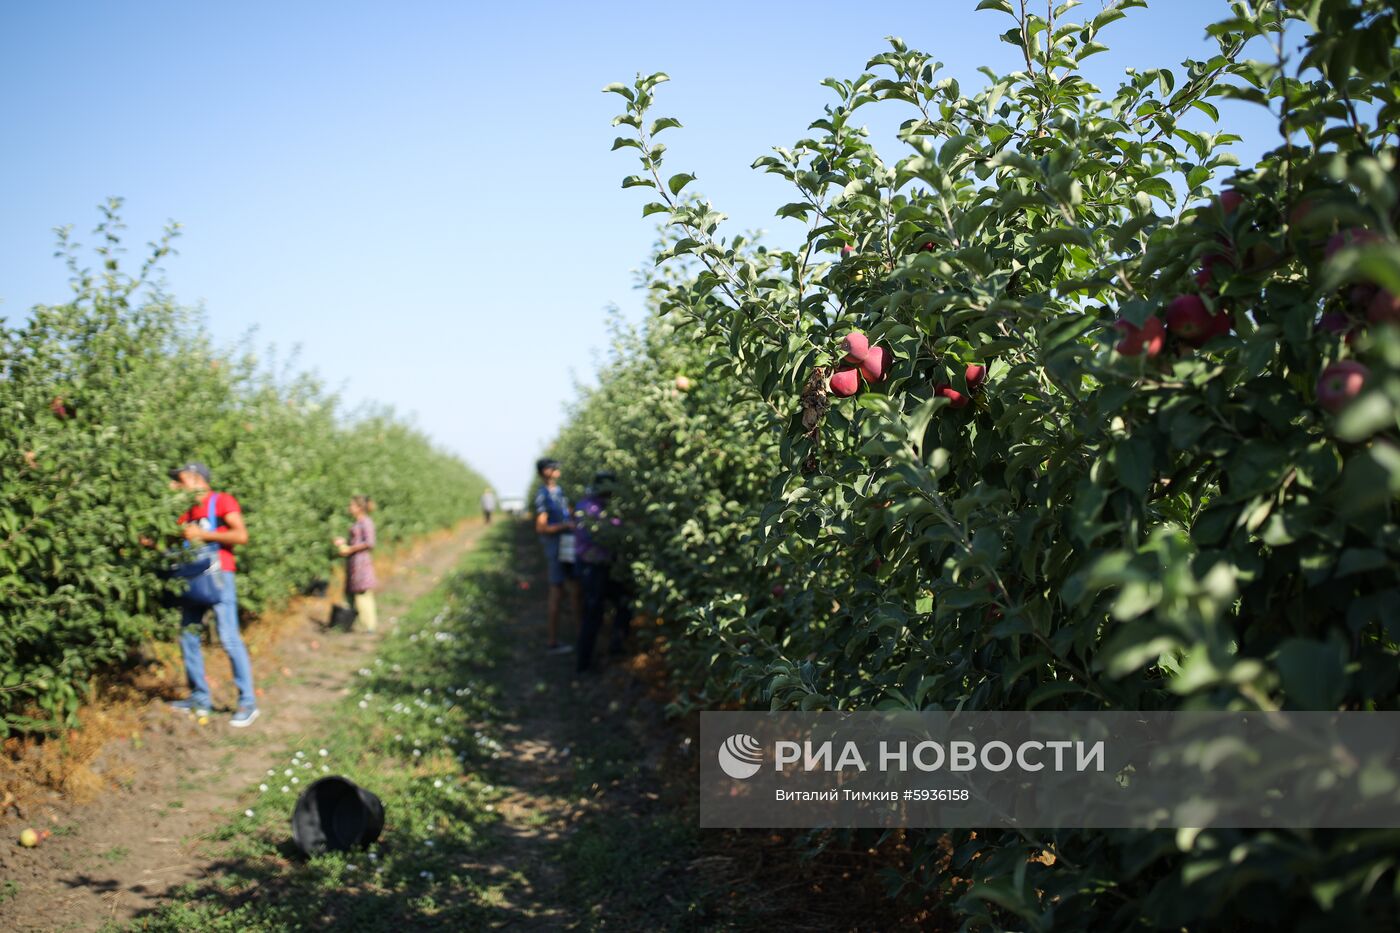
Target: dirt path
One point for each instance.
(579, 751)
(536, 811)
(112, 858)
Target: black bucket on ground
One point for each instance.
(336, 814)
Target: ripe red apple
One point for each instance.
(778, 590)
(1205, 277)
(1229, 201)
(1334, 322)
(846, 251)
(876, 365)
(683, 383)
(1150, 337)
(856, 346)
(1339, 383)
(845, 381)
(1300, 211)
(1189, 319)
(1352, 236)
(927, 246)
(975, 374)
(1384, 308)
(1222, 323)
(59, 409)
(1361, 294)
(955, 398)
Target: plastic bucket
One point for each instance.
(335, 814)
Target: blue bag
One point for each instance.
(205, 573)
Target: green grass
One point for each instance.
(418, 730)
(115, 854)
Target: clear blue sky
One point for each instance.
(420, 195)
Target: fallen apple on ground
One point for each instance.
(29, 839)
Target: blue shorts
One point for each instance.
(558, 572)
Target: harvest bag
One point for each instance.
(205, 573)
(567, 549)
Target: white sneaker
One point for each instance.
(243, 717)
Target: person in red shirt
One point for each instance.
(226, 529)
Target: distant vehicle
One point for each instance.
(513, 506)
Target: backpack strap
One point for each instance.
(213, 519)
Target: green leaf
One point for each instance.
(679, 181)
(1313, 673)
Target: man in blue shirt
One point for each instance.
(554, 524)
(595, 528)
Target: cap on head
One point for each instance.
(192, 467)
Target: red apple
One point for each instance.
(1190, 319)
(1229, 201)
(876, 365)
(856, 346)
(1352, 236)
(778, 590)
(975, 374)
(1384, 308)
(683, 383)
(1335, 322)
(1150, 337)
(1361, 294)
(1340, 383)
(846, 251)
(1300, 211)
(927, 246)
(1222, 324)
(59, 409)
(955, 398)
(845, 381)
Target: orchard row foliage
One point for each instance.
(1062, 408)
(99, 398)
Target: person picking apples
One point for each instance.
(216, 520)
(360, 581)
(596, 529)
(555, 526)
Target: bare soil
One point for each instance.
(170, 779)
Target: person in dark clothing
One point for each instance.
(595, 527)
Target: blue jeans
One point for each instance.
(226, 622)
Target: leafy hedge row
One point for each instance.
(1127, 441)
(99, 397)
